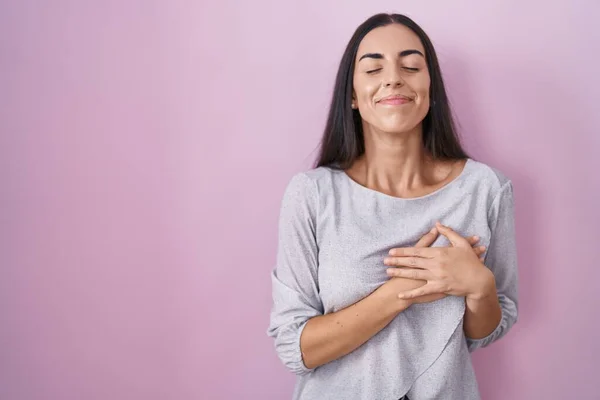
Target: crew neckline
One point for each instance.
(400, 199)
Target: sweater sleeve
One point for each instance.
(294, 279)
(501, 259)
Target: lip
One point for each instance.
(394, 100)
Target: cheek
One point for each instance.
(421, 86)
(365, 100)
(364, 89)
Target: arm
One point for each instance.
(491, 314)
(304, 337)
(483, 312)
(329, 337)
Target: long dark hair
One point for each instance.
(343, 140)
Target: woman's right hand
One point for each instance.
(403, 284)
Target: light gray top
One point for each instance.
(333, 236)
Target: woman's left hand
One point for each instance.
(452, 270)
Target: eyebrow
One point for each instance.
(404, 53)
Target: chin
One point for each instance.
(397, 127)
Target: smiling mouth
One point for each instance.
(396, 100)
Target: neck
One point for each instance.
(396, 163)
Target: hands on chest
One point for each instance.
(424, 274)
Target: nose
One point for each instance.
(393, 79)
(396, 82)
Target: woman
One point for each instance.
(373, 297)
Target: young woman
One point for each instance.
(396, 254)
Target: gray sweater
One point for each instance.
(333, 237)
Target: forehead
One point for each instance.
(388, 40)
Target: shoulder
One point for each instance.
(489, 177)
(313, 182)
(496, 186)
(309, 191)
(305, 188)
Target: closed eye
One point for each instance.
(372, 71)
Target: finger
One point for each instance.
(479, 250)
(422, 291)
(410, 273)
(428, 239)
(429, 298)
(412, 262)
(427, 252)
(473, 240)
(453, 237)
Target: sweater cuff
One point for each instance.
(289, 349)
(474, 344)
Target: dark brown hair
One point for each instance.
(343, 141)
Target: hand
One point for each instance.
(455, 270)
(430, 237)
(401, 284)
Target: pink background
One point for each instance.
(145, 146)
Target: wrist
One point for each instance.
(388, 293)
(485, 287)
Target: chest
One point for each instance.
(354, 241)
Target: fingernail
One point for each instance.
(386, 260)
(391, 252)
(433, 230)
(400, 296)
(389, 271)
(476, 238)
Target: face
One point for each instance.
(391, 80)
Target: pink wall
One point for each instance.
(144, 148)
